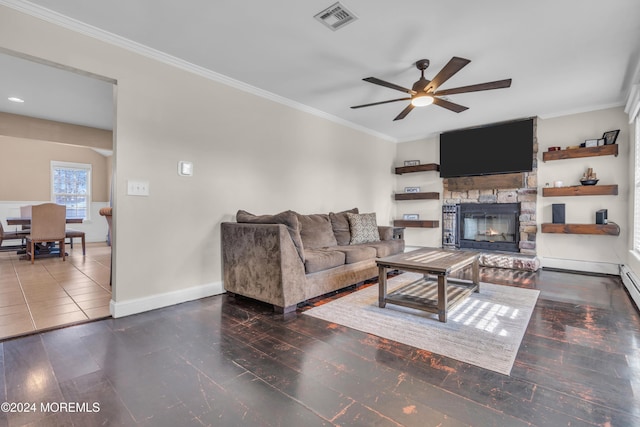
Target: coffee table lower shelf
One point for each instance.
(422, 294)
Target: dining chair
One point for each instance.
(107, 213)
(71, 234)
(25, 212)
(12, 235)
(48, 224)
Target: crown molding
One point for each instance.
(77, 26)
(102, 152)
(588, 109)
(632, 108)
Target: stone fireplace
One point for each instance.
(494, 235)
(481, 205)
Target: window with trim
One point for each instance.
(636, 198)
(71, 186)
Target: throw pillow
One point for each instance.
(364, 228)
(287, 218)
(316, 231)
(340, 225)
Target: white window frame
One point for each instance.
(636, 190)
(78, 166)
(632, 108)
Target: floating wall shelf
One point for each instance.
(581, 190)
(418, 168)
(417, 196)
(416, 223)
(611, 229)
(574, 153)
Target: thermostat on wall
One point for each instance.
(185, 168)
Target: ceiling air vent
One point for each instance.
(336, 16)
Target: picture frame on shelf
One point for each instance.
(610, 136)
(411, 189)
(411, 162)
(591, 143)
(411, 217)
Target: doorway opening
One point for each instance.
(66, 114)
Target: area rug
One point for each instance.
(484, 330)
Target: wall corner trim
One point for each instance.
(139, 305)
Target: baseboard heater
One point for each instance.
(632, 283)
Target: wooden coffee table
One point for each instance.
(434, 296)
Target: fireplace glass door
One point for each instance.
(489, 226)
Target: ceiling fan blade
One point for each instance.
(377, 81)
(498, 84)
(404, 112)
(381, 102)
(449, 105)
(454, 65)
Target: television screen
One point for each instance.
(494, 149)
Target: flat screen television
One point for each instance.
(487, 150)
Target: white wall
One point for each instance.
(576, 252)
(427, 151)
(30, 160)
(248, 153)
(585, 252)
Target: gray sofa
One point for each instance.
(288, 258)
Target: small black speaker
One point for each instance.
(601, 216)
(557, 213)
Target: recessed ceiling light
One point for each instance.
(15, 99)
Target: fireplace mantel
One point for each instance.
(487, 182)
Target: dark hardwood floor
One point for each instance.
(225, 361)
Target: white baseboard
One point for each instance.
(576, 265)
(632, 283)
(139, 305)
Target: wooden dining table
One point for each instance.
(27, 221)
(43, 250)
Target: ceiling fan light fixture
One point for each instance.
(422, 100)
(425, 92)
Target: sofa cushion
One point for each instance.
(316, 231)
(320, 259)
(387, 247)
(287, 218)
(386, 232)
(364, 228)
(340, 225)
(356, 253)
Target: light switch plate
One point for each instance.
(137, 188)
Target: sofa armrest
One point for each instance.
(386, 232)
(260, 261)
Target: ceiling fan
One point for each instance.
(424, 92)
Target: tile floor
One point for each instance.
(52, 292)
